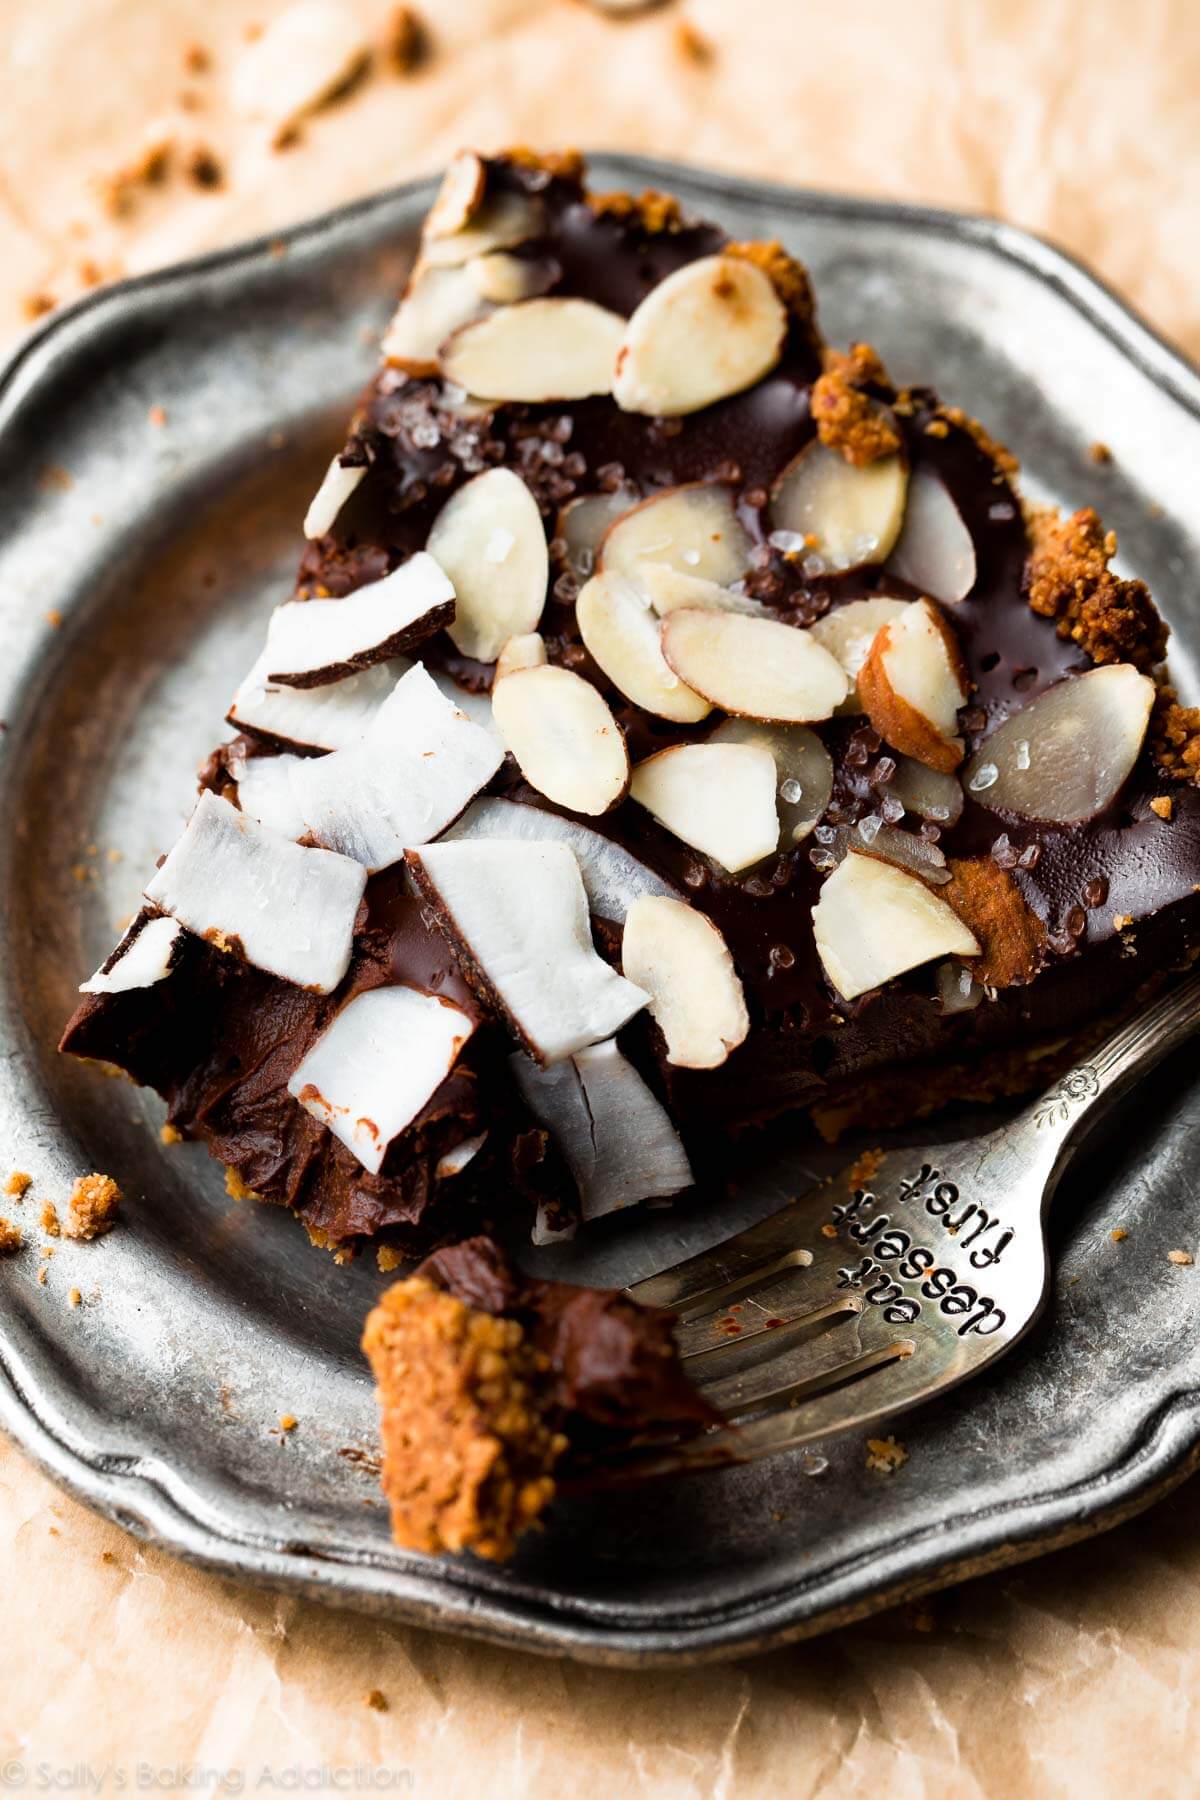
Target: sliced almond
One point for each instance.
(874, 922)
(693, 529)
(696, 995)
(437, 303)
(517, 916)
(615, 1137)
(489, 539)
(834, 515)
(501, 223)
(907, 849)
(564, 737)
(248, 890)
(503, 279)
(668, 591)
(301, 59)
(311, 643)
(803, 771)
(613, 878)
(719, 798)
(537, 350)
(623, 636)
(1066, 756)
(848, 632)
(459, 197)
(582, 523)
(336, 487)
(935, 551)
(145, 956)
(756, 668)
(709, 330)
(913, 683)
(929, 793)
(380, 1061)
(322, 718)
(526, 651)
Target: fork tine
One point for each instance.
(704, 1282)
(785, 1332)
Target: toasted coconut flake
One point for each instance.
(311, 643)
(460, 1157)
(414, 770)
(564, 737)
(436, 304)
(324, 718)
(1066, 756)
(623, 636)
(616, 1139)
(489, 539)
(372, 1070)
(517, 917)
(693, 529)
(242, 887)
(803, 771)
(336, 487)
(459, 197)
(754, 668)
(719, 798)
(848, 631)
(913, 683)
(709, 330)
(613, 878)
(839, 516)
(873, 922)
(503, 279)
(144, 956)
(501, 223)
(537, 350)
(525, 651)
(684, 964)
(582, 524)
(935, 551)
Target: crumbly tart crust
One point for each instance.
(793, 483)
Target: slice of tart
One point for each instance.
(674, 725)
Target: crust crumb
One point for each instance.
(1163, 805)
(196, 60)
(788, 277)
(388, 1258)
(236, 1188)
(288, 1422)
(848, 419)
(48, 1220)
(203, 168)
(1067, 579)
(560, 165)
(35, 305)
(885, 1455)
(18, 1184)
(1003, 458)
(1181, 1258)
(376, 1701)
(1099, 453)
(693, 46)
(93, 1207)
(990, 904)
(467, 1451)
(406, 42)
(865, 1168)
(74, 1298)
(653, 211)
(1119, 1235)
(11, 1237)
(1175, 738)
(169, 1135)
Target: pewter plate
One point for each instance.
(160, 548)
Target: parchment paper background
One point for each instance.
(1076, 1675)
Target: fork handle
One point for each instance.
(1057, 1124)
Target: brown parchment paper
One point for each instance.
(1077, 1675)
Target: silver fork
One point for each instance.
(874, 1293)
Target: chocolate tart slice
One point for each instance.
(675, 725)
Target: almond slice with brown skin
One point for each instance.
(459, 197)
(754, 668)
(564, 737)
(693, 529)
(711, 329)
(436, 303)
(848, 632)
(836, 516)
(623, 636)
(803, 771)
(490, 541)
(527, 651)
(696, 997)
(1066, 756)
(501, 223)
(913, 683)
(874, 922)
(537, 350)
(719, 798)
(935, 552)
